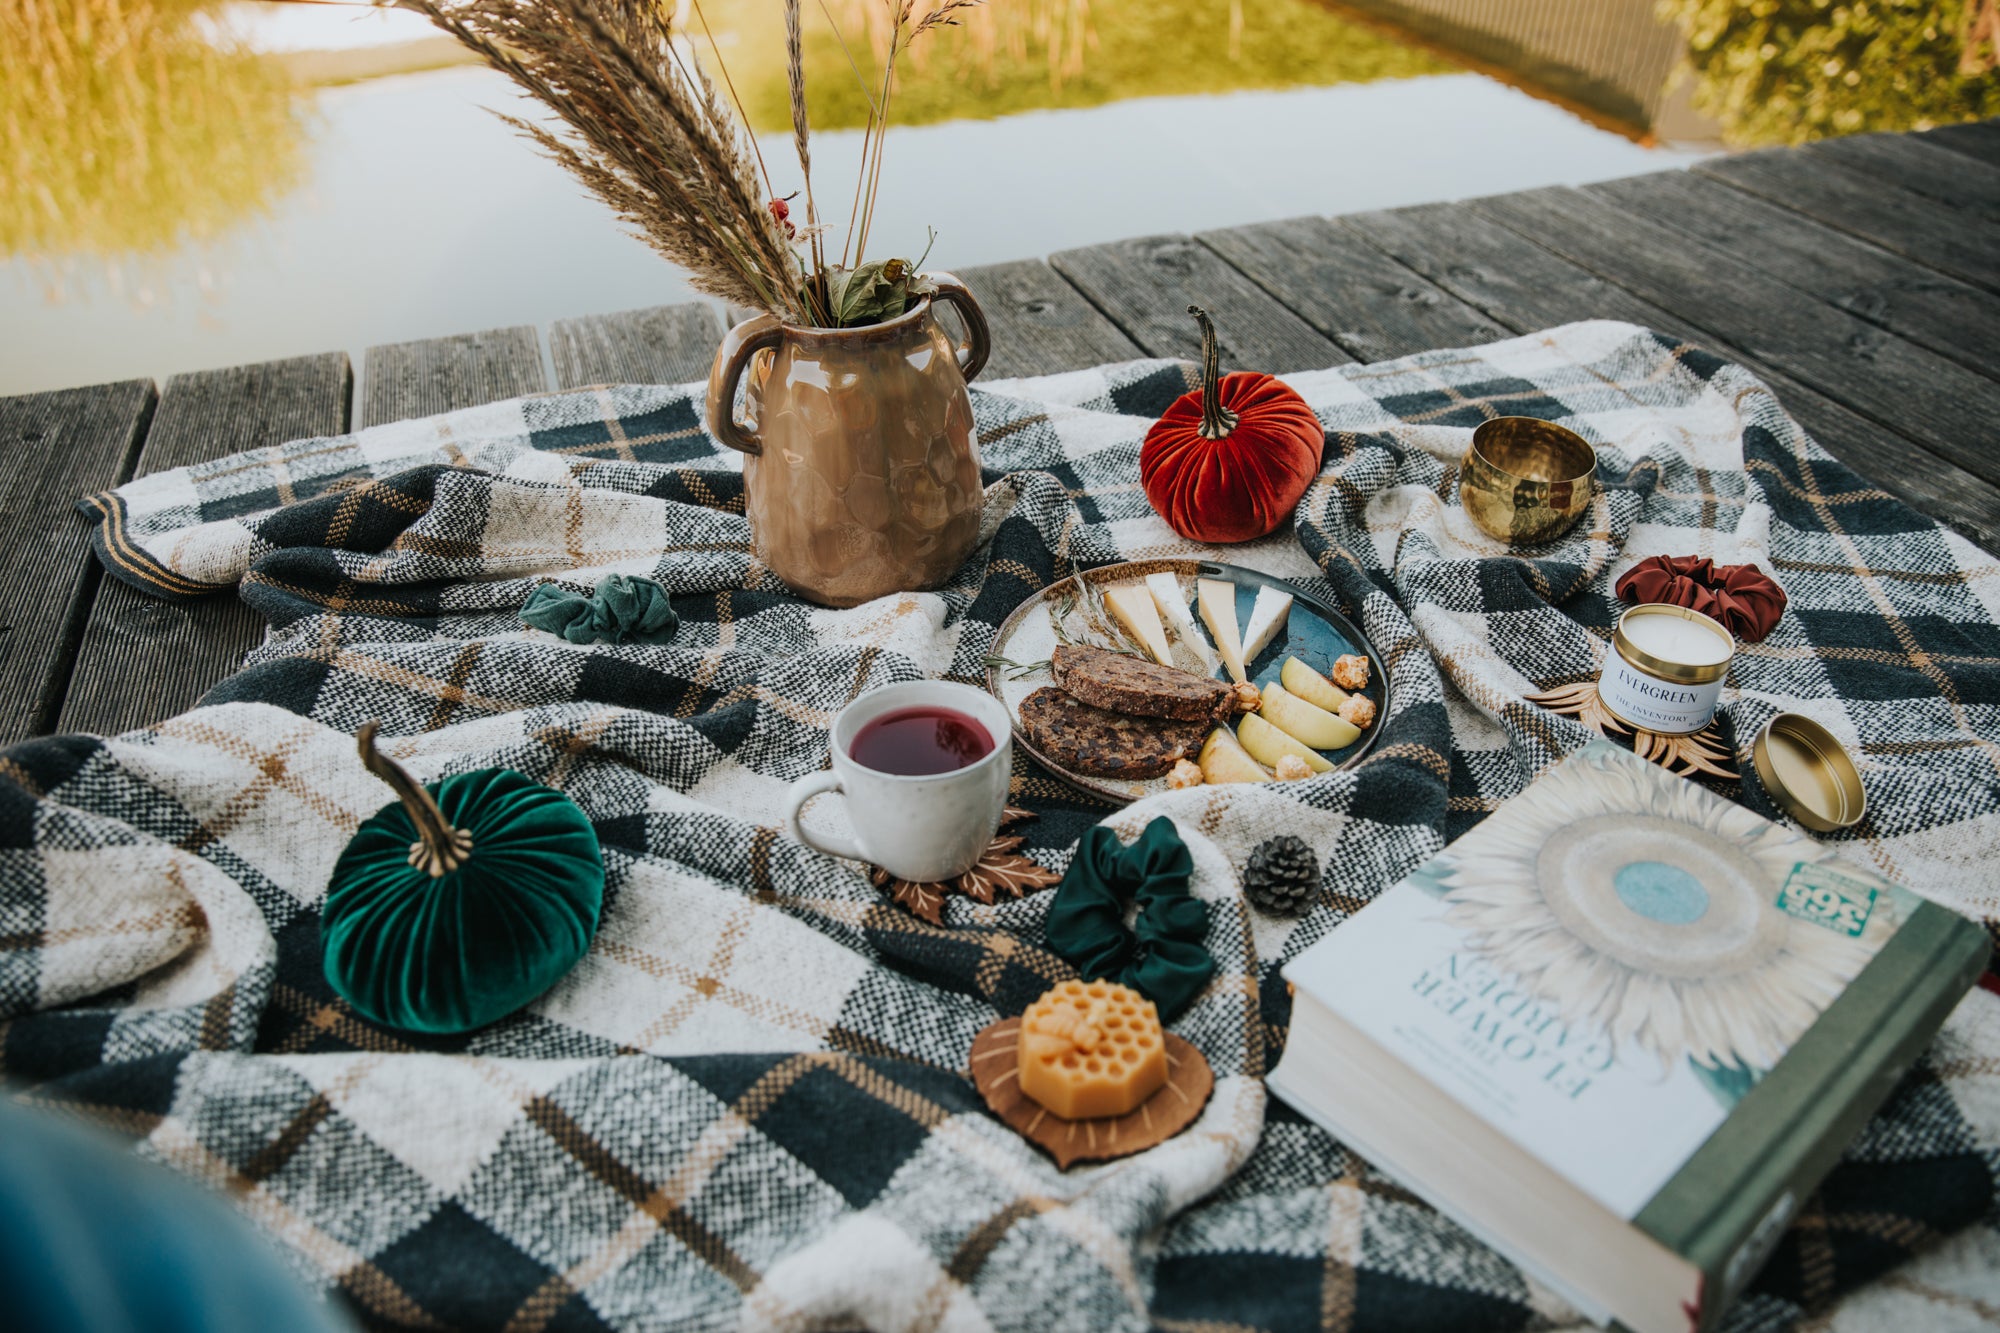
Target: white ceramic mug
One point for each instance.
(925, 828)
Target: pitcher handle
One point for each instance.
(973, 352)
(738, 346)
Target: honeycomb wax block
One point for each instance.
(1091, 1049)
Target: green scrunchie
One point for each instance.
(624, 609)
(1162, 956)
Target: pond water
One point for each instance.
(251, 181)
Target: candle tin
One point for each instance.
(1809, 773)
(1653, 687)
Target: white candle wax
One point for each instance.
(1671, 639)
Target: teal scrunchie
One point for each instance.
(624, 609)
(1162, 956)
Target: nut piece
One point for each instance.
(1186, 774)
(1358, 710)
(1291, 768)
(1350, 672)
(1248, 699)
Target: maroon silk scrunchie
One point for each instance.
(1742, 597)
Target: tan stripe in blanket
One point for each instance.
(19, 776)
(270, 1159)
(1346, 1209)
(453, 694)
(601, 1162)
(332, 1019)
(978, 1247)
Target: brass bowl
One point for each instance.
(1525, 480)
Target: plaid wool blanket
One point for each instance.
(747, 1107)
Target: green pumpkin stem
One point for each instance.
(1216, 420)
(439, 848)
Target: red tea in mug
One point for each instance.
(918, 742)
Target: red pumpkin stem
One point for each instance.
(439, 847)
(1216, 420)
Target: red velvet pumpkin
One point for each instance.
(1228, 461)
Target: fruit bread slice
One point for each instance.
(1105, 744)
(1127, 684)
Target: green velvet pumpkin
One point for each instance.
(461, 901)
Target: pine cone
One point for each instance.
(1282, 876)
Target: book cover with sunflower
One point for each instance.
(1610, 965)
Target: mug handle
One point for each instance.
(738, 346)
(973, 352)
(802, 792)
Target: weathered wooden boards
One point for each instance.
(1373, 307)
(419, 379)
(1145, 286)
(1860, 278)
(1040, 323)
(670, 344)
(54, 448)
(143, 659)
(1525, 286)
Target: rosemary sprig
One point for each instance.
(1013, 670)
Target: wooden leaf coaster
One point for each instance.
(1702, 751)
(995, 1072)
(1001, 869)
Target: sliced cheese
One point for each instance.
(1132, 605)
(1173, 607)
(1267, 617)
(1218, 611)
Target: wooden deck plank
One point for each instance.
(1145, 286)
(667, 344)
(1950, 317)
(1525, 287)
(143, 659)
(1908, 163)
(1040, 323)
(55, 448)
(1894, 219)
(1915, 393)
(1372, 306)
(1979, 139)
(417, 379)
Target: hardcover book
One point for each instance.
(1620, 1030)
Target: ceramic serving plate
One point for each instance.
(1315, 633)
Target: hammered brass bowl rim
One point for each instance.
(1590, 452)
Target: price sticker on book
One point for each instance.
(1821, 894)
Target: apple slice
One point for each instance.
(1309, 685)
(1218, 612)
(1223, 759)
(1305, 723)
(1267, 745)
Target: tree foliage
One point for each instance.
(1785, 71)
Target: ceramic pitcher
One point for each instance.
(862, 467)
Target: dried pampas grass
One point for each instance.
(645, 130)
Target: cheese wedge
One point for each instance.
(1132, 605)
(1173, 608)
(1267, 617)
(1218, 611)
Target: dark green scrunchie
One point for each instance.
(1162, 956)
(624, 609)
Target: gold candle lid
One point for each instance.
(1680, 673)
(1809, 773)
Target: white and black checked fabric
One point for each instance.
(747, 1106)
